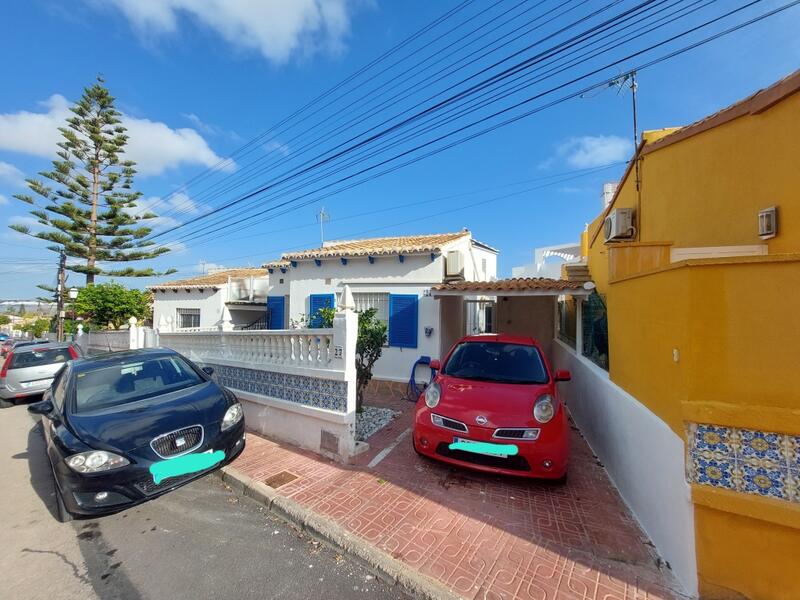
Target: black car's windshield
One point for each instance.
(130, 381)
(497, 362)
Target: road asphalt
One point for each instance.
(200, 541)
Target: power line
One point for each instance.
(558, 178)
(343, 147)
(569, 96)
(448, 14)
(428, 127)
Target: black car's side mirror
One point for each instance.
(208, 371)
(43, 407)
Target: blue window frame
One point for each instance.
(317, 301)
(403, 320)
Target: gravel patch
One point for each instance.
(372, 419)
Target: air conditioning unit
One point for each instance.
(619, 225)
(455, 264)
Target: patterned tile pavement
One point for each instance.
(483, 536)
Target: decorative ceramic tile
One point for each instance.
(299, 389)
(714, 472)
(713, 439)
(765, 482)
(793, 451)
(761, 463)
(759, 445)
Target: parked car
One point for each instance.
(3, 336)
(29, 368)
(126, 427)
(494, 406)
(11, 343)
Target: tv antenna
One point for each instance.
(323, 217)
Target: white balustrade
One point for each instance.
(295, 347)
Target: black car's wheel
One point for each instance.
(64, 516)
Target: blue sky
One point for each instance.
(197, 79)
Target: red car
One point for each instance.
(493, 406)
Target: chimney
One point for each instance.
(609, 189)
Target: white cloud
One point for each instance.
(595, 151)
(170, 210)
(3, 200)
(278, 29)
(210, 128)
(154, 146)
(275, 146)
(11, 175)
(207, 267)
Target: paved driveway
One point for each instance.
(200, 541)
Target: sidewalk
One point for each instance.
(481, 536)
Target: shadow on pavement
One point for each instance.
(39, 467)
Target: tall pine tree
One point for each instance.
(89, 210)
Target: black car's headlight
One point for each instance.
(95, 461)
(232, 416)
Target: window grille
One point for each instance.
(188, 317)
(378, 301)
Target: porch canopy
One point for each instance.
(524, 306)
(528, 286)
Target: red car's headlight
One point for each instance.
(544, 409)
(432, 395)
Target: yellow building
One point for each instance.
(703, 300)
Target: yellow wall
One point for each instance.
(732, 324)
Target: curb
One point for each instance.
(379, 562)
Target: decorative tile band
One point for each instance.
(300, 389)
(744, 460)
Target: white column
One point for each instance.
(345, 332)
(133, 334)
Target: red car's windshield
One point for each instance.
(497, 362)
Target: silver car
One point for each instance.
(29, 370)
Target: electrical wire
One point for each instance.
(569, 96)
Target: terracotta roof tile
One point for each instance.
(527, 284)
(276, 264)
(212, 279)
(412, 244)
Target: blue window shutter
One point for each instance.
(317, 301)
(275, 306)
(403, 320)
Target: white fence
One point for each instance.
(96, 342)
(295, 385)
(312, 348)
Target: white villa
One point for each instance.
(394, 275)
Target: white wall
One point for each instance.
(386, 275)
(209, 301)
(643, 456)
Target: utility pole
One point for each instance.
(62, 263)
(632, 80)
(323, 218)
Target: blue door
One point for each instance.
(275, 306)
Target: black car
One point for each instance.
(126, 427)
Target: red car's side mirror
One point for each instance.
(435, 365)
(563, 375)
